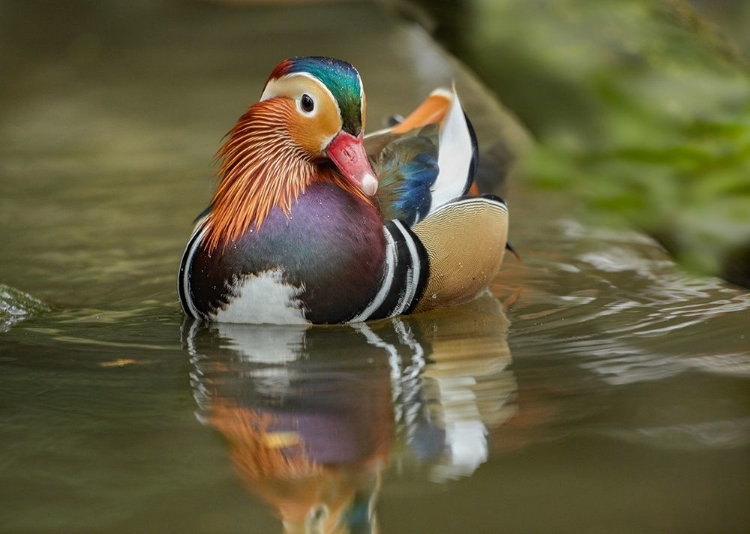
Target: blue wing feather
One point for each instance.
(407, 167)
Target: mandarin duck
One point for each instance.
(312, 222)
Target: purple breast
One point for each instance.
(331, 245)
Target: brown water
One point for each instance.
(598, 390)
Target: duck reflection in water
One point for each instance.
(313, 416)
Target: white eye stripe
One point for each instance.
(279, 87)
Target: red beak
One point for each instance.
(348, 154)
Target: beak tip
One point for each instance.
(369, 185)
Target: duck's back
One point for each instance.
(426, 169)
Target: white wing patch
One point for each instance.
(263, 298)
(454, 155)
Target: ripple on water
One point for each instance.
(610, 336)
(635, 316)
(15, 306)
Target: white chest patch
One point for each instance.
(263, 298)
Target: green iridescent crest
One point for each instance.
(340, 77)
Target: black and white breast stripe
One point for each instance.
(183, 279)
(404, 277)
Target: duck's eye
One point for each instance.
(306, 103)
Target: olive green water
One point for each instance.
(598, 390)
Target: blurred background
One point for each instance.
(640, 108)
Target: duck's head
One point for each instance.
(329, 113)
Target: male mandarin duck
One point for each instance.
(312, 222)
